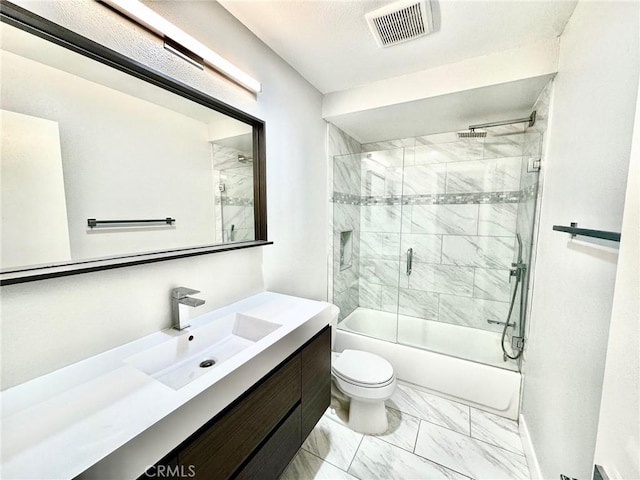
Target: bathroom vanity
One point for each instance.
(259, 433)
(148, 404)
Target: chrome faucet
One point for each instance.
(181, 302)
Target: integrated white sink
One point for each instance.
(180, 360)
(103, 402)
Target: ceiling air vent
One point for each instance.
(400, 21)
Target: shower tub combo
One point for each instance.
(431, 246)
(439, 362)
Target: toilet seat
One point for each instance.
(363, 374)
(364, 384)
(362, 368)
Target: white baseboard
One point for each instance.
(529, 451)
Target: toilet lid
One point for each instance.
(362, 368)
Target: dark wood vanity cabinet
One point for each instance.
(316, 380)
(257, 435)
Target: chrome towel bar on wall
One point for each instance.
(585, 232)
(92, 222)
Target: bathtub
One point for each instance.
(488, 385)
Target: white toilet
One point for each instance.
(367, 380)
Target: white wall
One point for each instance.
(51, 323)
(585, 177)
(296, 167)
(123, 158)
(28, 213)
(538, 59)
(618, 441)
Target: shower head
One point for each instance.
(244, 159)
(472, 134)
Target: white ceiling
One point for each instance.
(329, 43)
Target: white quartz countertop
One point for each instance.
(60, 424)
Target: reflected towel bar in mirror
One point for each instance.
(92, 222)
(585, 232)
(176, 126)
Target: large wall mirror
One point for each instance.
(106, 163)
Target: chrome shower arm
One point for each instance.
(531, 120)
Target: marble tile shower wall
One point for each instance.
(344, 177)
(457, 203)
(457, 209)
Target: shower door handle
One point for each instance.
(409, 261)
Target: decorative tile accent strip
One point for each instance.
(235, 201)
(381, 200)
(345, 198)
(430, 199)
(529, 193)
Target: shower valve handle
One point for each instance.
(517, 269)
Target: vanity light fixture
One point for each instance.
(143, 15)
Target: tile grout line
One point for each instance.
(436, 424)
(473, 438)
(434, 462)
(415, 444)
(498, 446)
(324, 460)
(392, 444)
(417, 389)
(454, 431)
(354, 455)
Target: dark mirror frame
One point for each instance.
(25, 20)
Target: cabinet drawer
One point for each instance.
(316, 380)
(221, 449)
(274, 456)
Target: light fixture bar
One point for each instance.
(183, 53)
(159, 25)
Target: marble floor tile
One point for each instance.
(306, 466)
(496, 430)
(429, 407)
(402, 431)
(379, 460)
(333, 442)
(469, 456)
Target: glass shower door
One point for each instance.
(380, 221)
(424, 239)
(372, 243)
(423, 276)
(460, 210)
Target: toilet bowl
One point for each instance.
(367, 380)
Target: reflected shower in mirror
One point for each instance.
(233, 170)
(98, 163)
